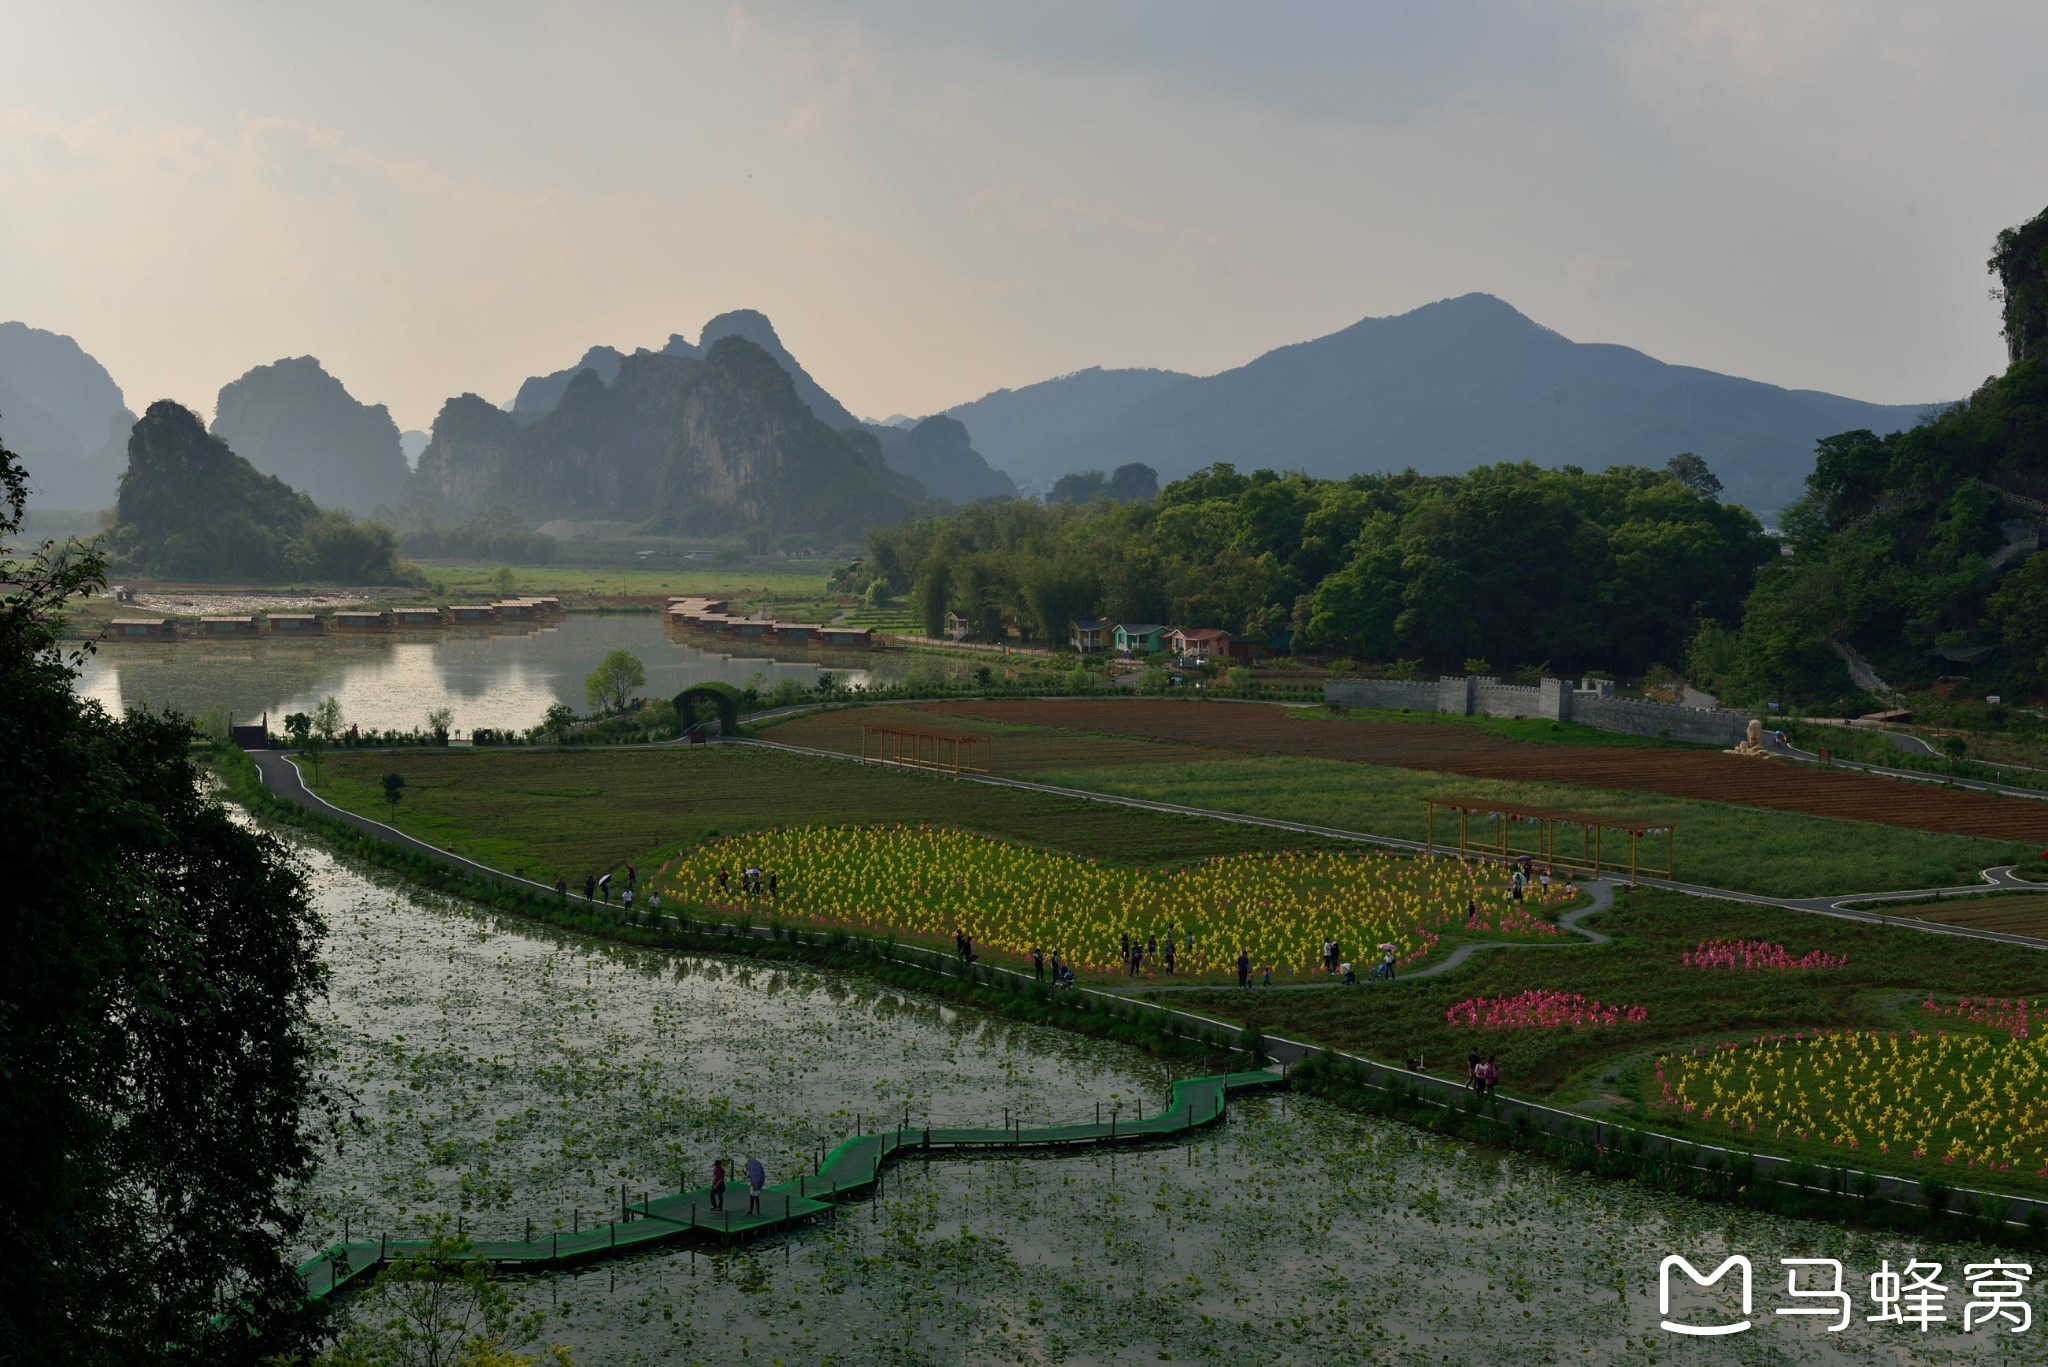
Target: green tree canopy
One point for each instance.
(156, 1062)
(610, 687)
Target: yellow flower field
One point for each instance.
(928, 882)
(1959, 1100)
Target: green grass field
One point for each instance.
(1890, 971)
(548, 813)
(471, 582)
(1774, 853)
(573, 813)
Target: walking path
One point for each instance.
(1993, 880)
(346, 1261)
(852, 1168)
(1600, 893)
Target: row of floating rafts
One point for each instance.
(714, 615)
(309, 624)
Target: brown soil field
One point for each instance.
(2025, 915)
(1701, 775)
(1019, 749)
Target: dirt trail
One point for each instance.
(1775, 785)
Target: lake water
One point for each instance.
(511, 1073)
(500, 676)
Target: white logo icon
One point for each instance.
(1698, 1330)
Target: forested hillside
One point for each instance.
(1511, 564)
(191, 508)
(1917, 550)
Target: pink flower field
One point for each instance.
(1751, 955)
(1541, 1010)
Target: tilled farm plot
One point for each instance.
(2024, 915)
(1706, 776)
(1020, 750)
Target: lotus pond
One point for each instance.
(509, 1073)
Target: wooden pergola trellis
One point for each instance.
(946, 752)
(1491, 829)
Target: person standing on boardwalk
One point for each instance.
(632, 878)
(1244, 969)
(1475, 1071)
(771, 882)
(589, 887)
(757, 1178)
(604, 889)
(629, 899)
(718, 1184)
(1169, 951)
(1037, 965)
(1489, 1074)
(562, 888)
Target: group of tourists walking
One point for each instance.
(1136, 952)
(1062, 974)
(753, 882)
(597, 887)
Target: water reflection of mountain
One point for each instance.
(495, 675)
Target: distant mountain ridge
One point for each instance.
(1023, 431)
(1443, 388)
(938, 453)
(293, 420)
(62, 413)
(675, 443)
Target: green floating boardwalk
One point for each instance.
(851, 1168)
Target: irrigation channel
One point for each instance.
(513, 1077)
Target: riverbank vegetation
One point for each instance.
(157, 1064)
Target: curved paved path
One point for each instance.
(343, 1262)
(1601, 893)
(1990, 881)
(281, 776)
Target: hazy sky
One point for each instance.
(932, 200)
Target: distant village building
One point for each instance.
(228, 626)
(958, 628)
(362, 621)
(862, 637)
(1140, 638)
(418, 617)
(1089, 636)
(1198, 645)
(295, 624)
(466, 613)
